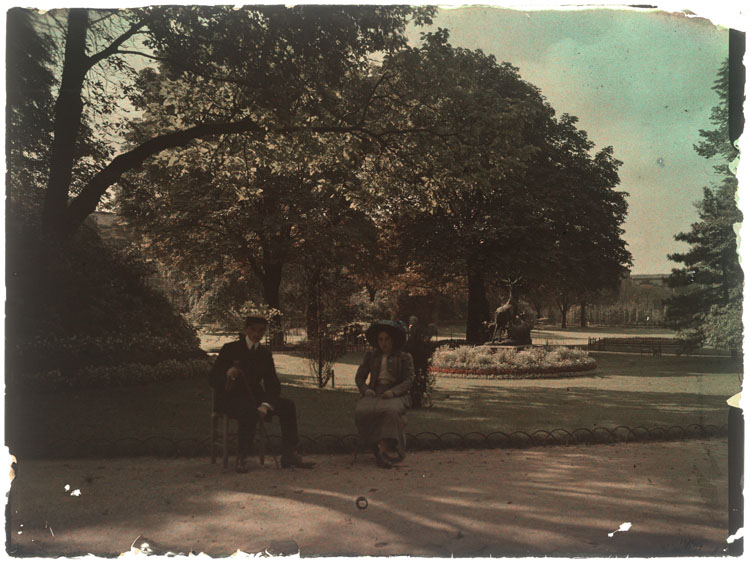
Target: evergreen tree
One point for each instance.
(709, 308)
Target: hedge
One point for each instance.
(103, 376)
(75, 352)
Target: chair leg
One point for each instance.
(261, 441)
(263, 444)
(359, 448)
(401, 442)
(213, 437)
(225, 441)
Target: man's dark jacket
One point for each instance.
(259, 373)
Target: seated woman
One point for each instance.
(379, 414)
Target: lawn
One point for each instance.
(630, 390)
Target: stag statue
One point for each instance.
(503, 316)
(511, 327)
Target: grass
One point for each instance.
(628, 390)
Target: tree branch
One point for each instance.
(114, 46)
(141, 54)
(86, 202)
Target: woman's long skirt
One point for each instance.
(379, 419)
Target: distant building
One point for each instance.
(641, 300)
(650, 279)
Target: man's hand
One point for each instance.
(369, 392)
(232, 374)
(388, 394)
(263, 410)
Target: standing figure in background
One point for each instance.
(380, 412)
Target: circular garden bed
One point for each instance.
(484, 362)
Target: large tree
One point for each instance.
(708, 307)
(248, 208)
(513, 195)
(223, 211)
(288, 64)
(588, 254)
(460, 204)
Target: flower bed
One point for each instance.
(491, 363)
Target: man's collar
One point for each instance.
(250, 344)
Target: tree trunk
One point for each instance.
(478, 307)
(538, 309)
(67, 123)
(271, 287)
(564, 317)
(584, 320)
(371, 291)
(312, 311)
(272, 294)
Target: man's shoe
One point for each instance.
(294, 460)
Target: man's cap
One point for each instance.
(255, 320)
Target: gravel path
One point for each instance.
(561, 501)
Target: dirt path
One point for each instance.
(546, 501)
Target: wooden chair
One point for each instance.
(220, 436)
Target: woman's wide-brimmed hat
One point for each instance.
(396, 329)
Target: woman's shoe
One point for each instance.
(381, 461)
(293, 460)
(395, 457)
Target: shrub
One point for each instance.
(83, 303)
(321, 353)
(424, 380)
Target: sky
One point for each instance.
(639, 81)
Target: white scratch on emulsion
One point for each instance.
(624, 527)
(738, 536)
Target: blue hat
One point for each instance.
(396, 329)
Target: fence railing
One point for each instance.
(642, 345)
(164, 446)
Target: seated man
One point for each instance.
(246, 385)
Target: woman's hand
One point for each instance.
(369, 392)
(388, 394)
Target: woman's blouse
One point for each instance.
(385, 377)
